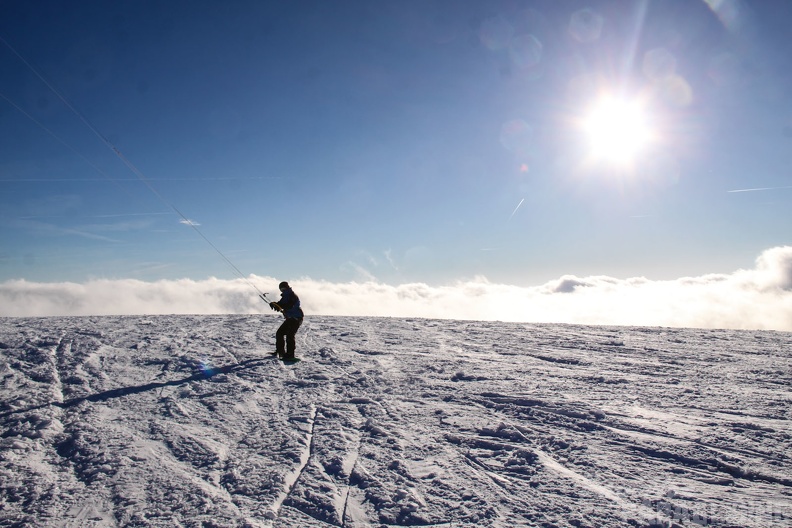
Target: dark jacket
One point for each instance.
(290, 305)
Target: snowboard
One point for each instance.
(286, 361)
(291, 361)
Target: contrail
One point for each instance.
(218, 178)
(120, 215)
(515, 209)
(760, 189)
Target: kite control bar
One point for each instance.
(275, 306)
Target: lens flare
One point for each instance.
(731, 13)
(586, 25)
(659, 64)
(207, 369)
(496, 33)
(526, 51)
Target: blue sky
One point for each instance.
(390, 142)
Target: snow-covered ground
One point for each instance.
(186, 421)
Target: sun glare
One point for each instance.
(617, 130)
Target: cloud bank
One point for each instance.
(759, 298)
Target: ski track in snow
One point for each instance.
(188, 421)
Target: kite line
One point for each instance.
(137, 172)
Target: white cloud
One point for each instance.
(774, 269)
(759, 298)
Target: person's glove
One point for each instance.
(275, 306)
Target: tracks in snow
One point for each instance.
(387, 422)
(290, 479)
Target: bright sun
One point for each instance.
(617, 130)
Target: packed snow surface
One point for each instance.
(188, 421)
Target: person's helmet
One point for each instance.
(283, 285)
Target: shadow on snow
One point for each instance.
(125, 391)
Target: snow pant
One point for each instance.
(286, 333)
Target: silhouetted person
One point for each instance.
(289, 306)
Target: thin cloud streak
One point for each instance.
(120, 215)
(758, 298)
(135, 180)
(760, 189)
(515, 209)
(57, 231)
